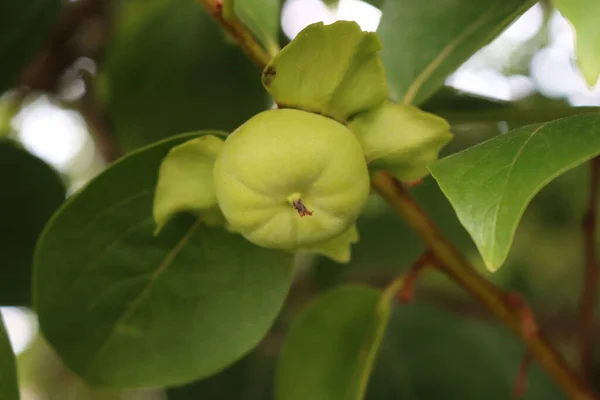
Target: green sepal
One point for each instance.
(583, 16)
(400, 139)
(185, 182)
(338, 248)
(334, 70)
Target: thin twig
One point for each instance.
(61, 48)
(238, 31)
(520, 387)
(464, 274)
(454, 263)
(98, 123)
(592, 271)
(406, 293)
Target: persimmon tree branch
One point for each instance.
(238, 31)
(90, 19)
(592, 271)
(508, 307)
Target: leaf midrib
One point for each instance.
(503, 191)
(133, 306)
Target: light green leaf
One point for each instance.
(422, 44)
(185, 182)
(23, 26)
(123, 308)
(338, 248)
(8, 373)
(334, 70)
(30, 191)
(331, 347)
(401, 139)
(164, 70)
(260, 16)
(583, 15)
(490, 185)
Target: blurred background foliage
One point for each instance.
(132, 72)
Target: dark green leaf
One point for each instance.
(490, 185)
(8, 374)
(23, 25)
(330, 348)
(165, 70)
(31, 192)
(462, 107)
(251, 378)
(430, 354)
(448, 99)
(425, 41)
(126, 309)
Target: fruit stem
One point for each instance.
(295, 200)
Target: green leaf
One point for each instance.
(251, 378)
(8, 372)
(330, 349)
(463, 107)
(401, 139)
(23, 25)
(185, 182)
(334, 70)
(261, 17)
(30, 192)
(126, 309)
(428, 353)
(422, 45)
(448, 99)
(583, 15)
(489, 185)
(164, 71)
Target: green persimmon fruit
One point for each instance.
(290, 179)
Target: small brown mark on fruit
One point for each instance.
(301, 208)
(268, 75)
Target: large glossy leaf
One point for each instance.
(170, 69)
(124, 308)
(424, 41)
(331, 347)
(8, 374)
(31, 192)
(583, 14)
(23, 25)
(490, 185)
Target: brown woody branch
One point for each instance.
(511, 312)
(81, 30)
(592, 271)
(238, 31)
